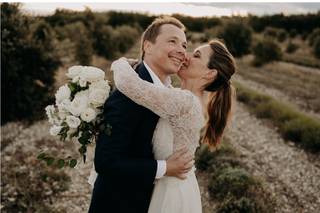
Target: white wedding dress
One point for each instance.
(180, 122)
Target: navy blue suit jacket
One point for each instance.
(124, 159)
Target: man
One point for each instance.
(123, 158)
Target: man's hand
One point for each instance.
(179, 163)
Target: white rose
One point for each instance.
(55, 130)
(64, 105)
(72, 121)
(82, 82)
(88, 115)
(62, 94)
(74, 71)
(102, 84)
(97, 97)
(91, 74)
(78, 105)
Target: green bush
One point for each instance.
(84, 50)
(237, 37)
(282, 35)
(266, 51)
(244, 204)
(104, 41)
(316, 47)
(271, 32)
(125, 37)
(312, 37)
(304, 130)
(231, 181)
(28, 64)
(206, 159)
(292, 47)
(293, 33)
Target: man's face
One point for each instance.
(169, 50)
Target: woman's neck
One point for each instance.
(193, 86)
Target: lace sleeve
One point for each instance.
(165, 102)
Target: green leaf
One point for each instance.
(60, 163)
(41, 156)
(73, 163)
(83, 149)
(50, 161)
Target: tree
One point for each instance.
(28, 65)
(237, 37)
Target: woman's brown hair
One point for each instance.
(221, 93)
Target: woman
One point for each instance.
(205, 93)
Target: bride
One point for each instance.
(204, 100)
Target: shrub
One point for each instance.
(282, 35)
(244, 204)
(312, 37)
(84, 50)
(231, 181)
(104, 41)
(316, 47)
(270, 32)
(125, 37)
(293, 33)
(304, 131)
(237, 37)
(206, 159)
(28, 64)
(266, 51)
(203, 157)
(292, 47)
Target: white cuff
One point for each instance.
(161, 169)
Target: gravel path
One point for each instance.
(292, 175)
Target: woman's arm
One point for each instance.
(165, 102)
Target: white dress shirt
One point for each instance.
(162, 165)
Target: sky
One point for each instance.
(190, 9)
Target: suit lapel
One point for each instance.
(143, 72)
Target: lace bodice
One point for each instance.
(180, 108)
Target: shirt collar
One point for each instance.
(156, 79)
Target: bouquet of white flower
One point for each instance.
(77, 112)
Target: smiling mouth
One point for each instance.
(177, 61)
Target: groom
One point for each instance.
(123, 157)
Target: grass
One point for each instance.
(292, 124)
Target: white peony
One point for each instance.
(78, 104)
(63, 93)
(74, 71)
(55, 130)
(72, 121)
(88, 115)
(91, 74)
(97, 97)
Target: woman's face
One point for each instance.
(195, 66)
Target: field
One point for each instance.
(269, 159)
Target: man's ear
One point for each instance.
(147, 46)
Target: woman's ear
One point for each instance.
(211, 74)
